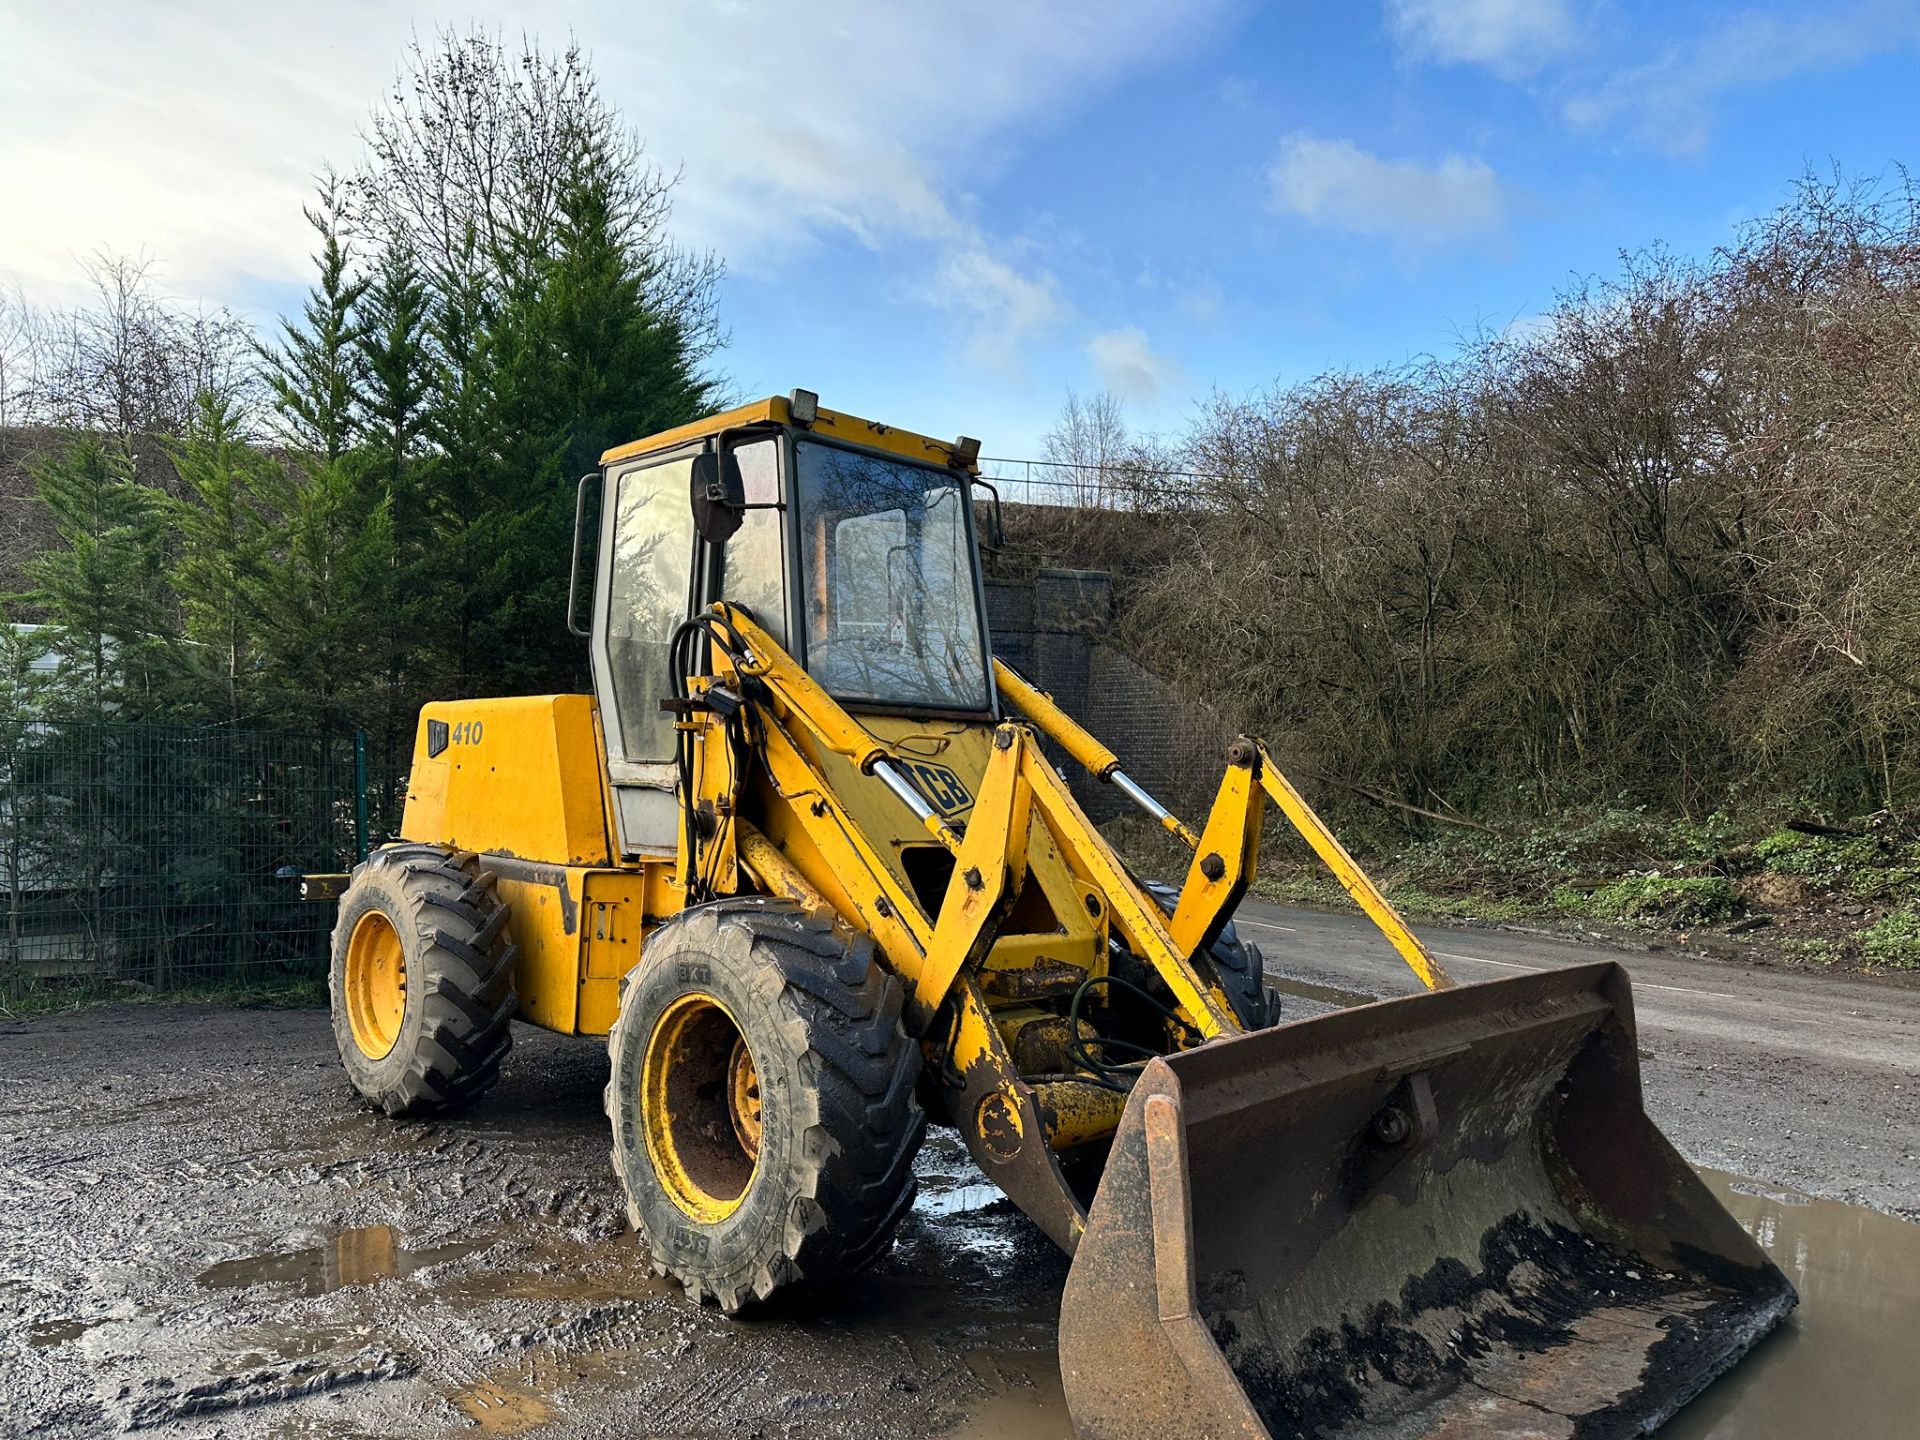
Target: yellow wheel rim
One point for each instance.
(376, 984)
(743, 1095)
(700, 1103)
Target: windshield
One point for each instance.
(891, 614)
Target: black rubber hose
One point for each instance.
(1077, 1045)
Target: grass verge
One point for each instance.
(35, 998)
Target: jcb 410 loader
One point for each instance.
(801, 857)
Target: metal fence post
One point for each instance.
(359, 795)
(13, 851)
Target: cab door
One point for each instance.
(644, 591)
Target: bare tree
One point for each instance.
(1090, 442)
(19, 359)
(472, 157)
(131, 364)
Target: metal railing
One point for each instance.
(1115, 485)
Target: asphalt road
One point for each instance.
(1810, 1080)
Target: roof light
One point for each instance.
(966, 450)
(805, 406)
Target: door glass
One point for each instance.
(755, 563)
(648, 595)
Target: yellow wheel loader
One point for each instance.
(802, 857)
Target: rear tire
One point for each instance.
(422, 980)
(798, 1173)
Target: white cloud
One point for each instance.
(1511, 37)
(1668, 102)
(1336, 184)
(1004, 304)
(1202, 301)
(196, 136)
(1130, 368)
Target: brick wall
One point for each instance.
(1052, 629)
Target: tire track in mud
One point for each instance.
(213, 1237)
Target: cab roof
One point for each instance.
(829, 424)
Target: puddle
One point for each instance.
(45, 1333)
(1843, 1365)
(1026, 1403)
(960, 1200)
(353, 1257)
(497, 1409)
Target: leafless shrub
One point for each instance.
(1661, 548)
(130, 363)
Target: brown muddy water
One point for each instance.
(353, 1257)
(1847, 1363)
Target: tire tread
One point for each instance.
(463, 965)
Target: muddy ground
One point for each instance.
(202, 1232)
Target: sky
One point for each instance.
(947, 215)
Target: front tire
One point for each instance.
(1238, 963)
(762, 1100)
(422, 980)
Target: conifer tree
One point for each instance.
(320, 596)
(222, 541)
(582, 360)
(100, 591)
(396, 372)
(470, 538)
(321, 617)
(313, 374)
(624, 365)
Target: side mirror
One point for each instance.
(589, 482)
(719, 496)
(997, 526)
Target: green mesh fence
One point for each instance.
(167, 855)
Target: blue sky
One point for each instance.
(948, 215)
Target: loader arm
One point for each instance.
(1015, 1118)
(1226, 853)
(930, 952)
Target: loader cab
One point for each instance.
(852, 543)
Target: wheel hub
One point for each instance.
(376, 984)
(743, 1095)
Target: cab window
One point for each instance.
(754, 564)
(891, 611)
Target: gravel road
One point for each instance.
(1809, 1080)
